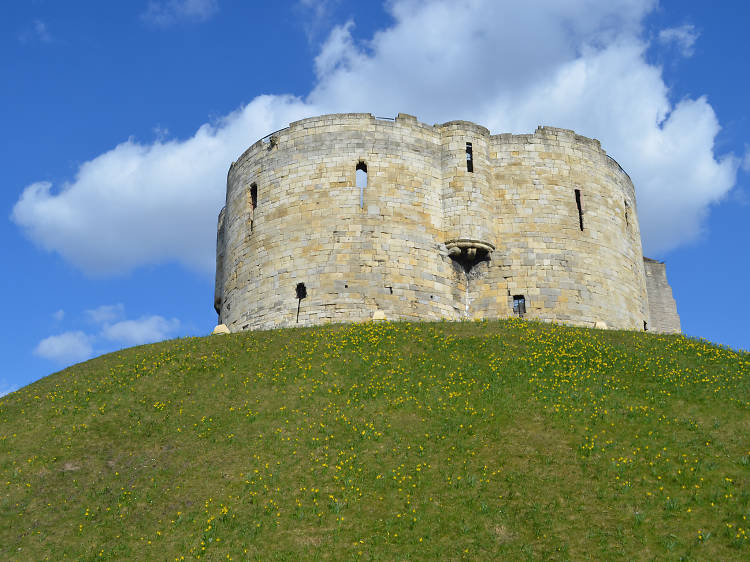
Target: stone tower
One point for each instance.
(346, 217)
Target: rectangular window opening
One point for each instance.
(580, 209)
(469, 158)
(361, 182)
(519, 305)
(253, 204)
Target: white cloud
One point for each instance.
(149, 203)
(146, 329)
(338, 52)
(164, 13)
(68, 347)
(74, 346)
(589, 73)
(105, 314)
(59, 315)
(578, 65)
(682, 37)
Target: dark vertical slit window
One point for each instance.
(645, 326)
(519, 305)
(580, 209)
(469, 158)
(301, 292)
(627, 216)
(361, 182)
(253, 204)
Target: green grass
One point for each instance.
(505, 440)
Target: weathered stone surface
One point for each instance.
(661, 303)
(427, 239)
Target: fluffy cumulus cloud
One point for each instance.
(110, 327)
(164, 13)
(580, 65)
(113, 326)
(68, 347)
(146, 329)
(149, 203)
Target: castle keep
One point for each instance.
(348, 217)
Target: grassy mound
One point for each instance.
(482, 440)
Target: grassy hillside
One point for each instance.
(411, 441)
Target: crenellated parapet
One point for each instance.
(398, 219)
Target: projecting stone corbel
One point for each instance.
(469, 252)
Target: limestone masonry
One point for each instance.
(348, 217)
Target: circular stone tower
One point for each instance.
(347, 217)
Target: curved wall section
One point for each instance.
(429, 236)
(468, 209)
(567, 244)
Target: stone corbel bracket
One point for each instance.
(468, 247)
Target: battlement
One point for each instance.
(360, 122)
(399, 219)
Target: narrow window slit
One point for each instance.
(580, 209)
(645, 326)
(469, 158)
(301, 291)
(627, 216)
(253, 204)
(361, 182)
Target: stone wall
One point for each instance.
(427, 238)
(219, 281)
(661, 303)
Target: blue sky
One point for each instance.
(121, 120)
